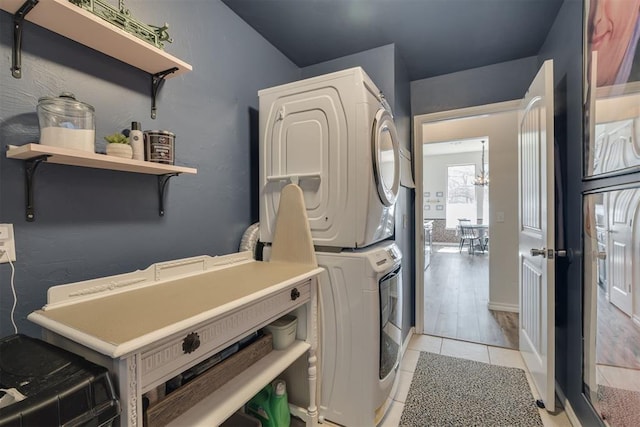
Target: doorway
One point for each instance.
(455, 275)
(456, 221)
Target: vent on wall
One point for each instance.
(406, 171)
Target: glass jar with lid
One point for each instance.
(66, 122)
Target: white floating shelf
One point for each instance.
(75, 23)
(222, 403)
(65, 156)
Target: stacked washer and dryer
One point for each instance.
(334, 136)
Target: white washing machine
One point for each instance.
(361, 337)
(335, 137)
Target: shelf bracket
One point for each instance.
(163, 180)
(30, 170)
(18, 19)
(157, 80)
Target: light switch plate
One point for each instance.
(499, 216)
(7, 243)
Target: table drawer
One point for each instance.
(183, 350)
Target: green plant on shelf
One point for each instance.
(121, 18)
(116, 138)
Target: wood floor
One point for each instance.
(618, 338)
(456, 297)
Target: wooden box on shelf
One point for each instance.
(182, 399)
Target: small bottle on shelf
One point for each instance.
(136, 141)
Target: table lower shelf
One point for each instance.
(221, 404)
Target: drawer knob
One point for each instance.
(295, 293)
(190, 343)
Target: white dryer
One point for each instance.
(361, 337)
(335, 137)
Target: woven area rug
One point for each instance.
(447, 391)
(620, 408)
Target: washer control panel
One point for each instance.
(386, 257)
(394, 252)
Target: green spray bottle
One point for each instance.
(280, 404)
(260, 407)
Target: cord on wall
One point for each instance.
(13, 290)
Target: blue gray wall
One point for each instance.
(564, 46)
(378, 64)
(92, 223)
(405, 219)
(505, 81)
(387, 70)
(508, 81)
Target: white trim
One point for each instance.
(418, 159)
(383, 410)
(406, 341)
(573, 418)
(498, 107)
(498, 306)
(636, 319)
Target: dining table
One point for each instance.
(483, 234)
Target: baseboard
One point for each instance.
(636, 320)
(575, 422)
(405, 344)
(513, 308)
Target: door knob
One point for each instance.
(550, 253)
(539, 252)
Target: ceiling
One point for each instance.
(434, 37)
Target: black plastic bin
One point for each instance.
(61, 388)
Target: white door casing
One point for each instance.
(536, 228)
(485, 119)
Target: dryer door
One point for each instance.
(386, 157)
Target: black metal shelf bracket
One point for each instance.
(30, 170)
(157, 80)
(163, 180)
(18, 19)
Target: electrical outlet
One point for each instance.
(7, 243)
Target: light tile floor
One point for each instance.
(465, 350)
(613, 376)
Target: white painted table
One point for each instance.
(135, 324)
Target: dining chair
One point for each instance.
(468, 235)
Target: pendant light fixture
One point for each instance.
(483, 178)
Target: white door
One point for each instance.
(536, 224)
(622, 206)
